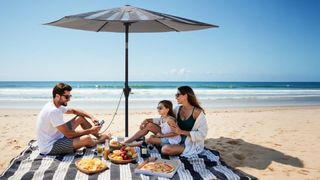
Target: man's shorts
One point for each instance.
(63, 145)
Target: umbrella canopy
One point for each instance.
(140, 20)
(128, 19)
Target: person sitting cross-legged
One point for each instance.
(55, 136)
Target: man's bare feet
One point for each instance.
(102, 137)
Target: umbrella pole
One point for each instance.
(126, 89)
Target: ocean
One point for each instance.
(145, 94)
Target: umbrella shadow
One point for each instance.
(239, 153)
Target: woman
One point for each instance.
(191, 125)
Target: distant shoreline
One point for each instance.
(106, 94)
(153, 109)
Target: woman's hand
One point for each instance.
(159, 135)
(176, 129)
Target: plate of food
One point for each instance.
(158, 167)
(123, 155)
(91, 165)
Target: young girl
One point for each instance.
(159, 126)
(166, 136)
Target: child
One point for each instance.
(162, 124)
(166, 136)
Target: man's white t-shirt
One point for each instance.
(48, 119)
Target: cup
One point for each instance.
(99, 149)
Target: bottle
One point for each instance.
(106, 150)
(144, 150)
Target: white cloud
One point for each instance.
(179, 72)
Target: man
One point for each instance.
(55, 136)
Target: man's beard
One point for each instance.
(63, 103)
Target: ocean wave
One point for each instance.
(107, 94)
(139, 95)
(158, 98)
(89, 91)
(162, 85)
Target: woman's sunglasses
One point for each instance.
(159, 108)
(178, 94)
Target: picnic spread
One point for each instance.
(119, 162)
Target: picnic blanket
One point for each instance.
(31, 165)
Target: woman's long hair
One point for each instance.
(192, 99)
(168, 104)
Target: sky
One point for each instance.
(265, 40)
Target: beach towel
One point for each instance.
(31, 165)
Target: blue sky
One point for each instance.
(266, 40)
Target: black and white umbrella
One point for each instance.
(128, 19)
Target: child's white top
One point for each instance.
(165, 129)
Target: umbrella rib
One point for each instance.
(167, 25)
(177, 18)
(102, 26)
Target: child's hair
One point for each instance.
(168, 104)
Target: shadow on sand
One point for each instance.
(239, 153)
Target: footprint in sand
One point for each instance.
(234, 142)
(303, 171)
(12, 141)
(270, 168)
(17, 147)
(219, 149)
(238, 156)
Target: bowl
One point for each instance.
(116, 161)
(86, 171)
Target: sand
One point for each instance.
(269, 143)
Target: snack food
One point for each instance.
(159, 167)
(91, 165)
(123, 155)
(114, 143)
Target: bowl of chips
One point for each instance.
(91, 165)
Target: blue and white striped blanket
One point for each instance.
(31, 165)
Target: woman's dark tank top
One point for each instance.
(187, 124)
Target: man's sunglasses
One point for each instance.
(67, 96)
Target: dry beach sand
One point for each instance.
(269, 143)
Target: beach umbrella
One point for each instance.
(128, 19)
